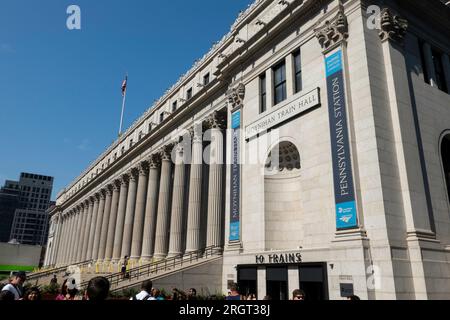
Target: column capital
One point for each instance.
(154, 161)
(97, 196)
(133, 174)
(143, 168)
(216, 121)
(333, 32)
(109, 189)
(124, 180)
(196, 133)
(393, 27)
(165, 152)
(236, 96)
(102, 194)
(116, 185)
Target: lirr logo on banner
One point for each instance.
(234, 231)
(334, 63)
(346, 215)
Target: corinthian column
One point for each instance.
(150, 209)
(118, 234)
(65, 233)
(80, 238)
(195, 192)
(129, 214)
(70, 237)
(98, 224)
(105, 222)
(90, 249)
(90, 204)
(57, 239)
(176, 225)
(162, 222)
(138, 226)
(214, 233)
(112, 221)
(77, 234)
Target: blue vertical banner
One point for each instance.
(235, 194)
(344, 192)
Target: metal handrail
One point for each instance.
(37, 275)
(157, 266)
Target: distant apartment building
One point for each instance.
(9, 202)
(23, 206)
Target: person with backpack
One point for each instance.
(145, 294)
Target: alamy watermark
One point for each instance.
(74, 19)
(374, 17)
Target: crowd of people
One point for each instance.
(98, 289)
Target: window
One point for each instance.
(131, 143)
(298, 71)
(174, 106)
(445, 153)
(439, 70)
(189, 94)
(122, 150)
(149, 127)
(115, 156)
(263, 93)
(161, 117)
(206, 79)
(436, 56)
(140, 135)
(279, 72)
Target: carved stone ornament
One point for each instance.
(236, 96)
(154, 161)
(333, 32)
(216, 121)
(393, 27)
(165, 152)
(196, 133)
(143, 168)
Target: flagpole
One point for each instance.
(121, 115)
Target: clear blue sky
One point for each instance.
(60, 93)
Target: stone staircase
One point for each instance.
(43, 277)
(160, 269)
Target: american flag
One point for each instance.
(124, 86)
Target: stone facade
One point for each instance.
(150, 196)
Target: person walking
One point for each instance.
(123, 268)
(54, 281)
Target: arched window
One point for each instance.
(283, 198)
(445, 152)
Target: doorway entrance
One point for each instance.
(313, 281)
(277, 283)
(247, 281)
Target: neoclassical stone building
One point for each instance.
(310, 146)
